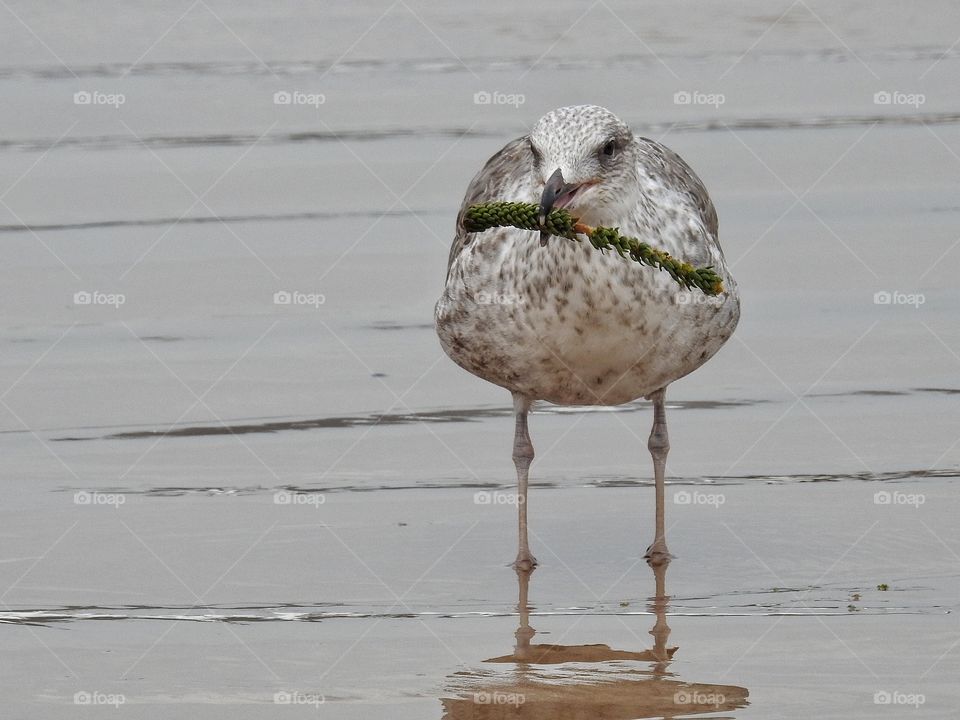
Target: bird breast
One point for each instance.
(571, 325)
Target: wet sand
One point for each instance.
(214, 504)
(404, 607)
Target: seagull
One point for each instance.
(555, 320)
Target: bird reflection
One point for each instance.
(576, 682)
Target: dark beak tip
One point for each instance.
(551, 190)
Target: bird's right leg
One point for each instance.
(522, 457)
(659, 446)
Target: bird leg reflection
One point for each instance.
(525, 633)
(658, 605)
(526, 653)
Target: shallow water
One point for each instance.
(211, 500)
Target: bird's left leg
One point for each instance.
(659, 446)
(522, 457)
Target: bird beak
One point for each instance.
(555, 190)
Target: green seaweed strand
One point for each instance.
(525, 216)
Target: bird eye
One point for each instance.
(609, 148)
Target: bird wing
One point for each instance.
(680, 178)
(508, 175)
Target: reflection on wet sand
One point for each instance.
(564, 682)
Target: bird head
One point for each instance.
(587, 159)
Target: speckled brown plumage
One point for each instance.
(566, 323)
